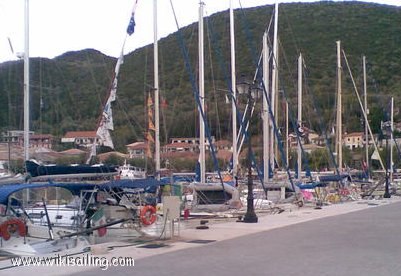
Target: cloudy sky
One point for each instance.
(59, 26)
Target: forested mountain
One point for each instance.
(67, 92)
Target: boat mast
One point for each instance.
(233, 91)
(286, 132)
(274, 85)
(364, 113)
(339, 111)
(201, 97)
(156, 88)
(26, 83)
(265, 114)
(391, 138)
(367, 112)
(299, 169)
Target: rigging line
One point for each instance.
(396, 145)
(248, 35)
(243, 131)
(114, 78)
(294, 126)
(373, 80)
(223, 68)
(275, 129)
(196, 95)
(322, 129)
(145, 95)
(294, 123)
(130, 119)
(259, 78)
(218, 128)
(277, 134)
(176, 100)
(231, 94)
(362, 108)
(96, 84)
(272, 117)
(41, 95)
(57, 106)
(163, 96)
(294, 37)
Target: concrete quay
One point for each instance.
(190, 237)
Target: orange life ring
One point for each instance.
(148, 215)
(11, 226)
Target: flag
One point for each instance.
(131, 25)
(151, 126)
(99, 219)
(150, 101)
(375, 155)
(148, 150)
(106, 122)
(149, 137)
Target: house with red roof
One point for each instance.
(80, 138)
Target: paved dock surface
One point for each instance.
(354, 238)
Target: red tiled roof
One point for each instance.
(224, 154)
(222, 143)
(103, 156)
(181, 154)
(185, 138)
(40, 136)
(180, 145)
(137, 145)
(353, 134)
(73, 151)
(80, 134)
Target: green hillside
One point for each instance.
(67, 92)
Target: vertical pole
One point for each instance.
(391, 139)
(274, 85)
(156, 87)
(202, 96)
(9, 154)
(365, 97)
(26, 83)
(26, 90)
(286, 133)
(233, 91)
(265, 114)
(299, 160)
(386, 188)
(250, 215)
(339, 111)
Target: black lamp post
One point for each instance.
(386, 128)
(252, 92)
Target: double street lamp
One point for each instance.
(252, 91)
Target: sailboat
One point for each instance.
(212, 196)
(125, 204)
(37, 171)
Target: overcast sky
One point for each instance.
(59, 26)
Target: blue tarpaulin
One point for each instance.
(148, 185)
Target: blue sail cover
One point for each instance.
(148, 185)
(334, 178)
